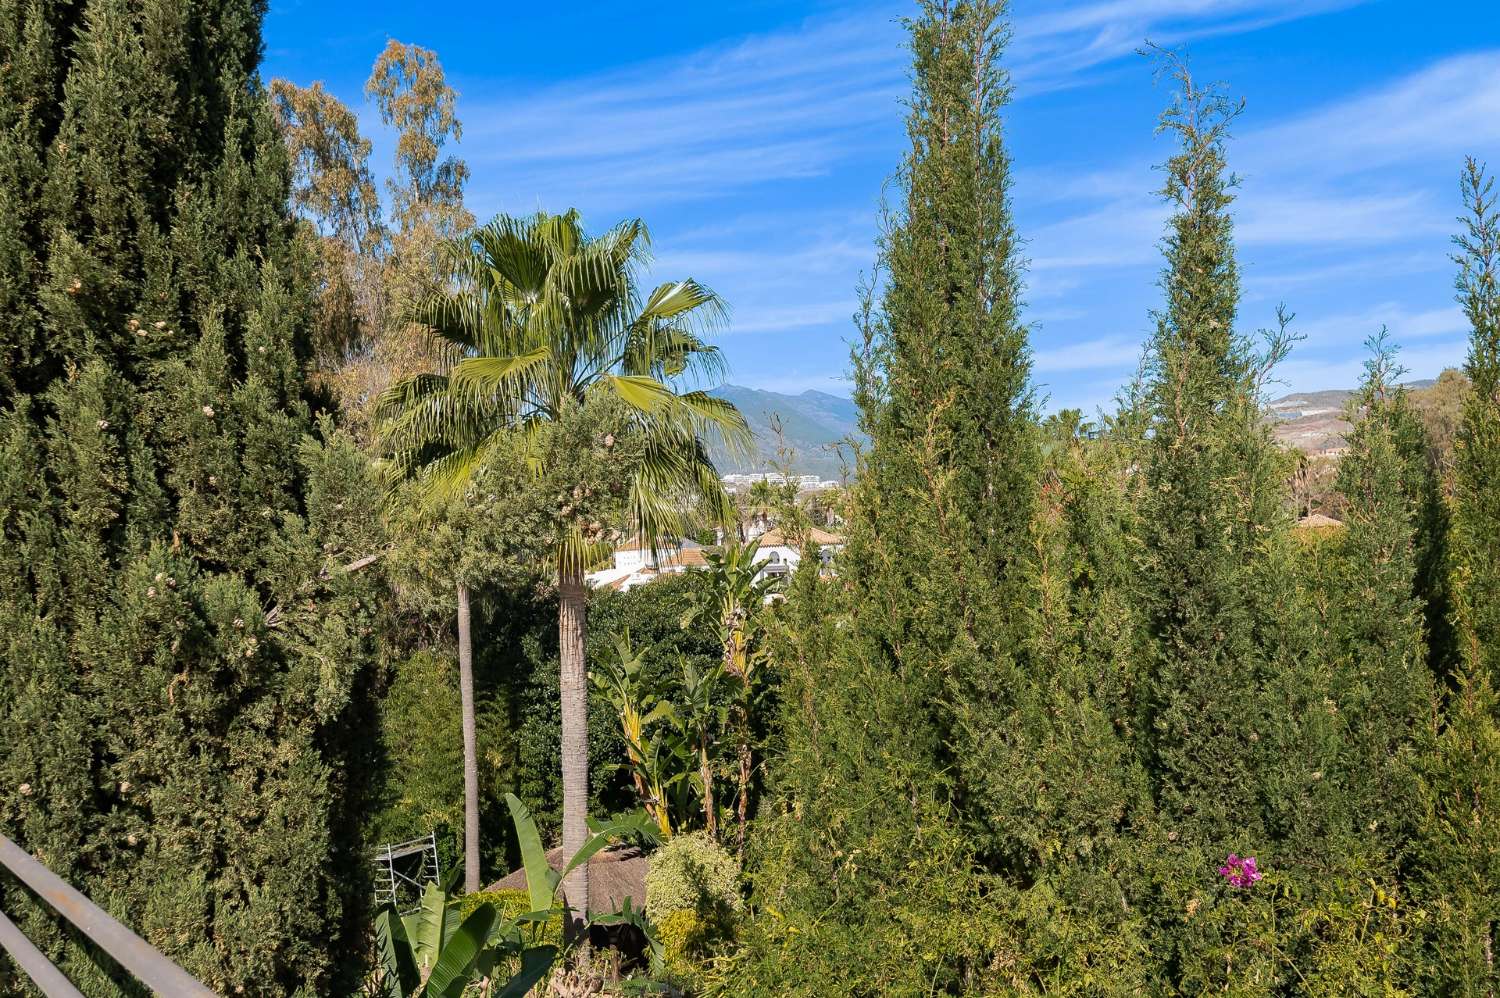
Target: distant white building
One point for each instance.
(741, 481)
(635, 564)
(779, 558)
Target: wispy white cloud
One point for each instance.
(764, 126)
(1351, 200)
(1345, 329)
(1087, 355)
(1053, 46)
(1320, 216)
(1297, 189)
(787, 318)
(787, 273)
(1293, 273)
(790, 105)
(1439, 113)
(772, 108)
(1345, 368)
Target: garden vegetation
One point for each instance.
(300, 480)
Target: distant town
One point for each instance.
(744, 481)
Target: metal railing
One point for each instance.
(128, 949)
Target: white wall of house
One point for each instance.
(782, 560)
(631, 558)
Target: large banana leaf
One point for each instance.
(541, 881)
(428, 926)
(401, 976)
(455, 965)
(535, 963)
(637, 824)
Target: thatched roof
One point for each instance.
(1315, 521)
(615, 874)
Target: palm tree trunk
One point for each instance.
(471, 753)
(571, 631)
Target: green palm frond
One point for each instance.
(446, 477)
(409, 392)
(680, 298)
(644, 394)
(544, 316)
(721, 416)
(459, 318)
(488, 375)
(577, 553)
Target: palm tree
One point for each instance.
(545, 319)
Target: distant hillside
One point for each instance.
(1314, 421)
(811, 422)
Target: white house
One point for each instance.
(635, 564)
(780, 558)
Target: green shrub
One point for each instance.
(509, 904)
(683, 936)
(690, 941)
(692, 873)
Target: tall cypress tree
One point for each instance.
(1371, 596)
(1384, 685)
(1201, 532)
(945, 500)
(871, 867)
(182, 655)
(1460, 848)
(1065, 786)
(1235, 724)
(1476, 500)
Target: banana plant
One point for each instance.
(432, 953)
(543, 884)
(732, 601)
(638, 707)
(699, 719)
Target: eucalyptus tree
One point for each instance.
(546, 321)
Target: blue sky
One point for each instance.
(756, 137)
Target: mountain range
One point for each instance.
(1314, 421)
(814, 423)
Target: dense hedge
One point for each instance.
(185, 665)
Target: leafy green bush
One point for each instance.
(692, 873)
(685, 937)
(509, 904)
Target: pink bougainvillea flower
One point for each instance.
(1240, 872)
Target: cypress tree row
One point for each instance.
(182, 656)
(870, 864)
